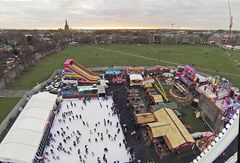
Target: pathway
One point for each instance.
(168, 62)
(12, 93)
(234, 59)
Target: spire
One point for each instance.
(66, 28)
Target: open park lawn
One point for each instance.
(6, 105)
(207, 58)
(235, 54)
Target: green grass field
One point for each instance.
(6, 105)
(206, 58)
(236, 54)
(189, 118)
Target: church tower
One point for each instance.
(66, 27)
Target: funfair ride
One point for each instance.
(74, 71)
(188, 75)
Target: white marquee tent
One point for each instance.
(136, 79)
(22, 141)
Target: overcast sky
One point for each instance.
(196, 14)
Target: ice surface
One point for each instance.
(92, 113)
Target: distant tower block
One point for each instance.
(66, 27)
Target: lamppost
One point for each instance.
(159, 55)
(105, 42)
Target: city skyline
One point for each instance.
(106, 14)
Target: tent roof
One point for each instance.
(19, 154)
(101, 89)
(158, 129)
(175, 133)
(157, 98)
(22, 141)
(135, 77)
(135, 68)
(144, 118)
(147, 85)
(149, 78)
(201, 78)
(171, 105)
(113, 72)
(35, 113)
(151, 90)
(86, 88)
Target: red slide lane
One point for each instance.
(85, 69)
(84, 72)
(88, 78)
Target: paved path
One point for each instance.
(12, 93)
(235, 60)
(168, 62)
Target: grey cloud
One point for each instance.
(207, 14)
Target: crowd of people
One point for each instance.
(76, 134)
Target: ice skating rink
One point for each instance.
(87, 129)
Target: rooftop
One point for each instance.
(170, 128)
(23, 139)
